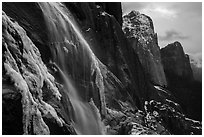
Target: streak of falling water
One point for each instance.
(86, 120)
(63, 34)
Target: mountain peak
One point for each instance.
(134, 13)
(139, 30)
(175, 46)
(175, 60)
(136, 24)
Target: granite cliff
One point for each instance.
(139, 30)
(68, 68)
(180, 78)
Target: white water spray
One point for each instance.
(65, 37)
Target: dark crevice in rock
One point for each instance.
(120, 74)
(11, 111)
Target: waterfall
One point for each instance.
(69, 47)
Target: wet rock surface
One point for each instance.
(120, 78)
(25, 80)
(106, 39)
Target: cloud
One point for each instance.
(150, 8)
(172, 35)
(129, 6)
(165, 12)
(192, 8)
(197, 55)
(160, 10)
(173, 21)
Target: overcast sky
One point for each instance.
(173, 21)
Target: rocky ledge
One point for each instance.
(119, 73)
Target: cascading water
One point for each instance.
(67, 42)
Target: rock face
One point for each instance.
(115, 89)
(139, 30)
(68, 68)
(113, 8)
(180, 79)
(173, 54)
(27, 82)
(32, 23)
(111, 47)
(170, 117)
